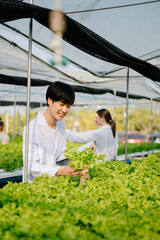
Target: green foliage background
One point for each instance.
(11, 154)
(139, 119)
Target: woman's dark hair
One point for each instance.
(59, 91)
(107, 116)
(1, 123)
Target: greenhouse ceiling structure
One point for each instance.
(101, 40)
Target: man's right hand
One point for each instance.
(69, 171)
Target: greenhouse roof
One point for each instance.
(102, 39)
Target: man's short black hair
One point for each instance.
(59, 91)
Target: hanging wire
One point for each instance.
(108, 8)
(58, 25)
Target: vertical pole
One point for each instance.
(14, 116)
(28, 102)
(19, 125)
(152, 122)
(127, 93)
(115, 105)
(7, 123)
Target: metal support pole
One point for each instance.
(19, 125)
(152, 122)
(14, 116)
(7, 123)
(127, 93)
(115, 105)
(28, 102)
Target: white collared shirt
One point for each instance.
(53, 130)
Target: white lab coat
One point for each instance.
(103, 137)
(43, 155)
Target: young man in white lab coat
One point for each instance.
(47, 135)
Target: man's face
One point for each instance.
(58, 109)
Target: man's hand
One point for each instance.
(69, 171)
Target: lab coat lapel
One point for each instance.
(46, 132)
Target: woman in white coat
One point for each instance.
(105, 138)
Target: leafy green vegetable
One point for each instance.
(11, 156)
(120, 201)
(86, 157)
(137, 147)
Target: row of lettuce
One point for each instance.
(120, 201)
(11, 154)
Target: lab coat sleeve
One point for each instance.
(61, 146)
(63, 149)
(61, 156)
(82, 137)
(35, 166)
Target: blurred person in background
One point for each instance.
(103, 140)
(4, 138)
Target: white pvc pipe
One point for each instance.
(7, 123)
(152, 122)
(14, 116)
(127, 93)
(19, 125)
(115, 105)
(28, 102)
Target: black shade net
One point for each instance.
(22, 81)
(80, 37)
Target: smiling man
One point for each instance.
(47, 135)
